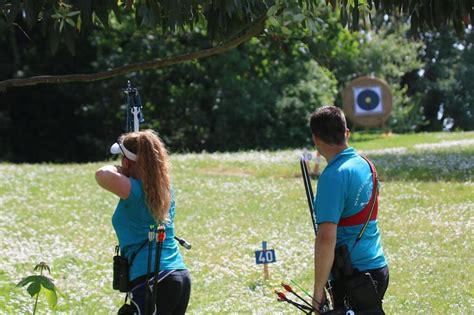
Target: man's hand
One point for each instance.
(317, 301)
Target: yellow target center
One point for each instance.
(367, 100)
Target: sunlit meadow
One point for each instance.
(227, 204)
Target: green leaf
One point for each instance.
(34, 288)
(27, 280)
(286, 30)
(312, 26)
(73, 13)
(51, 297)
(273, 10)
(70, 22)
(47, 283)
(116, 10)
(298, 18)
(272, 21)
(79, 24)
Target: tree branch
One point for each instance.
(255, 28)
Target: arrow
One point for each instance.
(282, 298)
(289, 289)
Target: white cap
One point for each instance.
(119, 148)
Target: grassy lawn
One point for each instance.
(227, 204)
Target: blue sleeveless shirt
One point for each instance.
(131, 221)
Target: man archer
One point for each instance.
(348, 248)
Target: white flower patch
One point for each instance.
(393, 151)
(258, 157)
(444, 144)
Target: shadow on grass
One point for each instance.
(366, 136)
(419, 166)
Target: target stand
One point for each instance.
(367, 102)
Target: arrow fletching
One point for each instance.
(281, 295)
(287, 287)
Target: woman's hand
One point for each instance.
(120, 169)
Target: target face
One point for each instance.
(367, 100)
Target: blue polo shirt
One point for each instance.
(344, 188)
(131, 221)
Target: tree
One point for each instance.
(227, 23)
(253, 97)
(461, 100)
(443, 86)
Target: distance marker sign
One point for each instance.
(367, 101)
(265, 257)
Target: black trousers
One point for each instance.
(172, 296)
(380, 277)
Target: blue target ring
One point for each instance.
(368, 100)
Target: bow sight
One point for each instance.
(133, 110)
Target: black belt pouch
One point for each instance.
(121, 274)
(362, 293)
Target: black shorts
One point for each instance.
(380, 277)
(172, 295)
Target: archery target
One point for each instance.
(367, 100)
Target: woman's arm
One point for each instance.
(110, 178)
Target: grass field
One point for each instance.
(227, 204)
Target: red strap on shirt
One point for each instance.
(369, 213)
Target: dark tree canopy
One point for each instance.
(226, 23)
(221, 18)
(256, 96)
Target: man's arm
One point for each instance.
(324, 247)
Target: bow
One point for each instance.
(309, 197)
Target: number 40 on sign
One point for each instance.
(265, 256)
